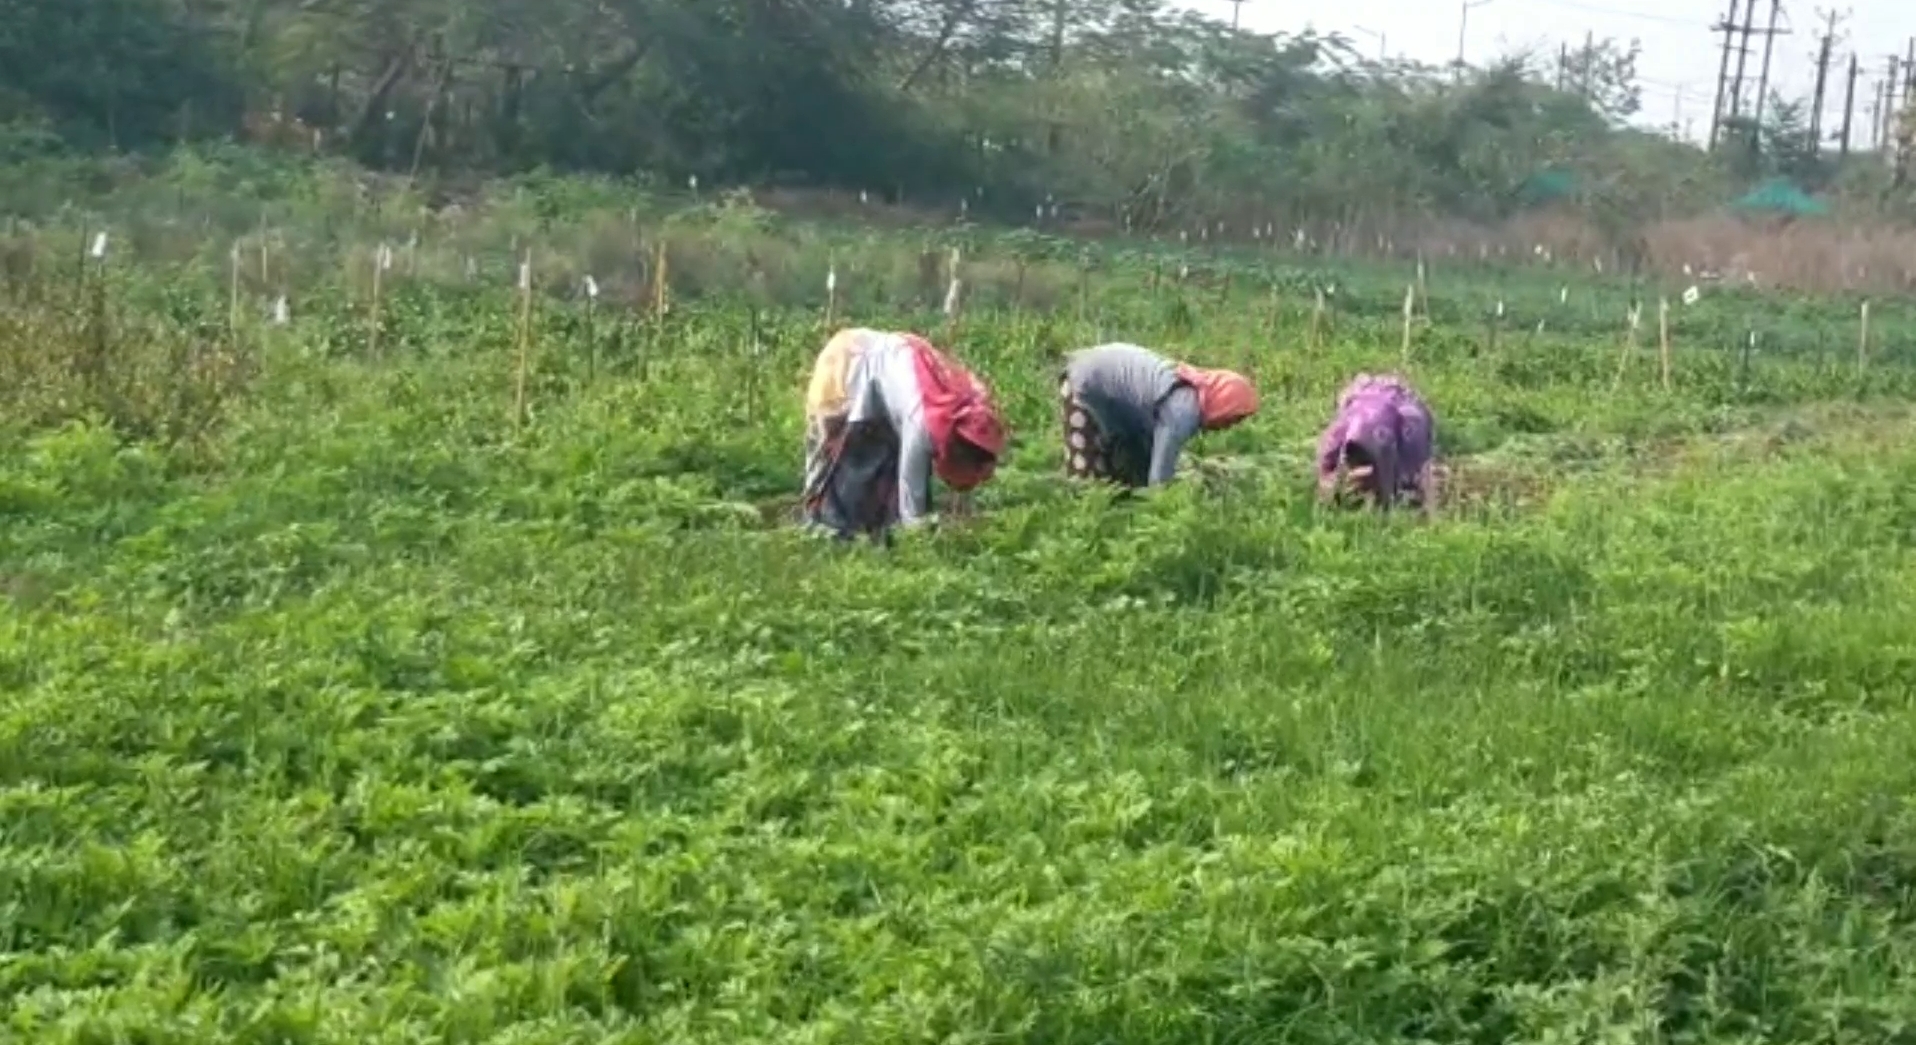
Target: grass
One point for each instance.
(350, 713)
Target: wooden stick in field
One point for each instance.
(831, 293)
(591, 337)
(954, 299)
(1410, 309)
(381, 258)
(1317, 319)
(660, 293)
(1663, 338)
(1629, 349)
(1084, 282)
(523, 363)
(1862, 343)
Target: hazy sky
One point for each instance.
(1680, 53)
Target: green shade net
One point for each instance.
(1547, 187)
(1779, 196)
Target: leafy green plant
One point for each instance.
(364, 715)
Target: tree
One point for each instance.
(114, 73)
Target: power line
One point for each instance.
(1598, 9)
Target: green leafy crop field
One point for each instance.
(365, 715)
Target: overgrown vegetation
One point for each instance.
(337, 705)
(1116, 112)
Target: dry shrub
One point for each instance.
(1001, 282)
(1811, 256)
(841, 206)
(71, 355)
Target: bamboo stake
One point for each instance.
(752, 376)
(1629, 350)
(954, 300)
(1663, 338)
(591, 337)
(661, 296)
(380, 260)
(523, 363)
(831, 293)
(1862, 343)
(1410, 309)
(232, 298)
(1084, 282)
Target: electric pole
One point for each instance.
(1822, 79)
(1875, 114)
(1769, 47)
(1463, 22)
(1909, 72)
(1727, 26)
(1886, 111)
(1849, 103)
(1742, 60)
(1237, 6)
(1589, 61)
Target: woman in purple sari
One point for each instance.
(1382, 441)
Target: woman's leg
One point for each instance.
(824, 452)
(1084, 443)
(867, 478)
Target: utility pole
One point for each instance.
(1875, 115)
(1059, 18)
(1909, 72)
(1886, 110)
(1589, 60)
(1237, 6)
(1563, 63)
(1463, 21)
(1893, 127)
(1727, 26)
(1822, 79)
(1742, 60)
(1769, 48)
(1849, 103)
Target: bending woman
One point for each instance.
(884, 412)
(1128, 412)
(1381, 440)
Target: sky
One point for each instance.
(1680, 58)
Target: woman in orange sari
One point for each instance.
(1128, 412)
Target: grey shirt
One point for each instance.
(1139, 403)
